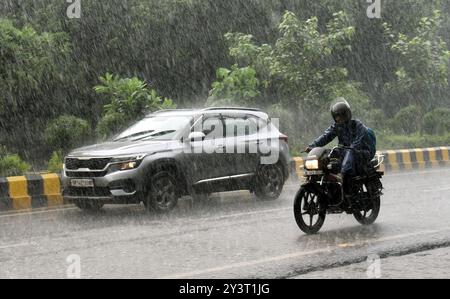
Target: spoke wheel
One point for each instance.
(369, 214)
(308, 212)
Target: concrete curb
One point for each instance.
(413, 159)
(39, 191)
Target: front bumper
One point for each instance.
(117, 187)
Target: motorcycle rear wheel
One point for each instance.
(370, 216)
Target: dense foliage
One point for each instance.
(291, 57)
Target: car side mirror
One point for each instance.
(196, 136)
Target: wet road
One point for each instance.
(431, 264)
(234, 236)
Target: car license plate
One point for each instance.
(83, 183)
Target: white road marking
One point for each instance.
(408, 173)
(437, 190)
(293, 255)
(16, 245)
(191, 219)
(242, 214)
(17, 214)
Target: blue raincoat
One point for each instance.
(352, 134)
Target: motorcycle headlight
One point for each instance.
(312, 164)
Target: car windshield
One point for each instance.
(155, 128)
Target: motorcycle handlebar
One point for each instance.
(334, 148)
(344, 147)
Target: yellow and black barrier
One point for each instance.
(399, 160)
(30, 192)
(416, 159)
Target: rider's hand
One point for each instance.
(308, 149)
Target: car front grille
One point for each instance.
(85, 174)
(91, 164)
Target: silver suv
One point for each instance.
(173, 153)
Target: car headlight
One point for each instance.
(126, 163)
(312, 164)
(128, 158)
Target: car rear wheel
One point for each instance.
(163, 193)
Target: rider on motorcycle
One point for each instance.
(352, 135)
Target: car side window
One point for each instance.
(258, 123)
(212, 127)
(241, 126)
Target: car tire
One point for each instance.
(269, 182)
(163, 193)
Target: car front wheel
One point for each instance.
(163, 194)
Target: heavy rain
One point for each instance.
(182, 139)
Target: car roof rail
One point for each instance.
(231, 108)
(168, 110)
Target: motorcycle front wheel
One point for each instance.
(308, 212)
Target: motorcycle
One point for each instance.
(324, 192)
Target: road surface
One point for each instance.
(235, 236)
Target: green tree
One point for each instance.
(424, 63)
(437, 122)
(55, 164)
(11, 164)
(30, 75)
(48, 62)
(408, 120)
(129, 99)
(236, 86)
(296, 70)
(67, 132)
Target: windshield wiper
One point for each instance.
(157, 134)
